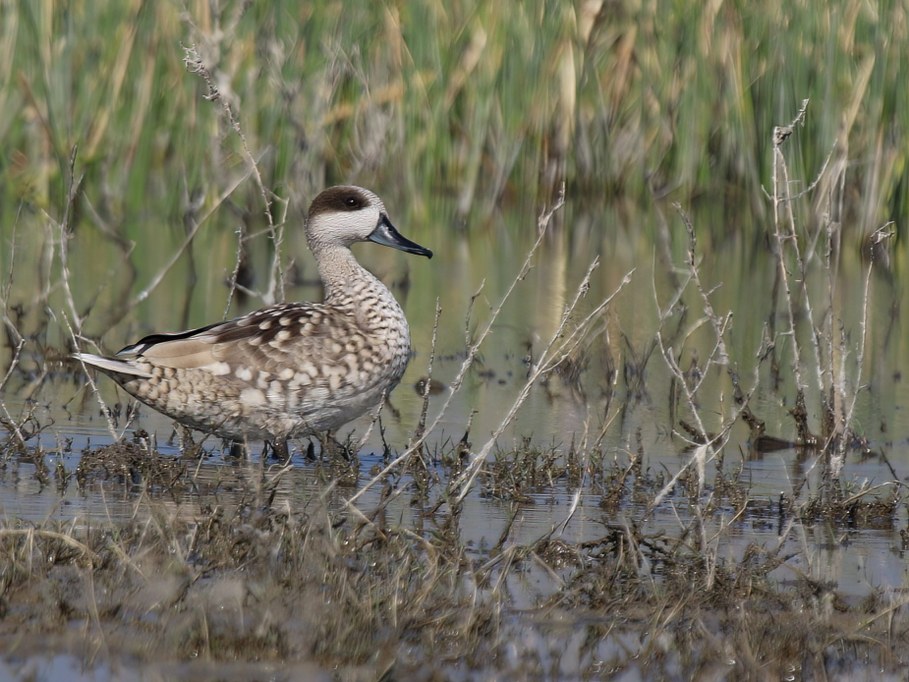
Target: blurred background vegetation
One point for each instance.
(486, 103)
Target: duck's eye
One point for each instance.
(351, 202)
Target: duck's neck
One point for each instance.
(341, 274)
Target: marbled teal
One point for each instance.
(292, 369)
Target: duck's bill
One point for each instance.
(386, 235)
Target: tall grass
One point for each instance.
(491, 102)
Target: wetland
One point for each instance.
(655, 425)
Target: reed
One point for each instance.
(492, 103)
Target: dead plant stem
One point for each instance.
(472, 350)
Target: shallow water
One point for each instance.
(601, 396)
(855, 562)
(556, 413)
(739, 273)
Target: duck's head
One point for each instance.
(346, 214)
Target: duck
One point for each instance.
(289, 370)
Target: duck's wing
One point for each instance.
(262, 340)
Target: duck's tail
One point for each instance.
(111, 365)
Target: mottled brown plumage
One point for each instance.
(292, 369)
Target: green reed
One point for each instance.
(486, 102)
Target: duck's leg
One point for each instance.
(280, 450)
(237, 450)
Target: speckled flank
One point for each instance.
(291, 369)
